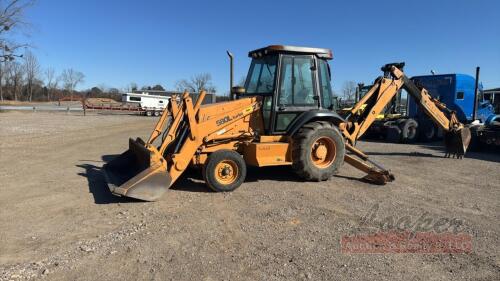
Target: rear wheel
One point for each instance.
(393, 134)
(225, 170)
(409, 131)
(149, 113)
(475, 144)
(427, 131)
(157, 113)
(318, 151)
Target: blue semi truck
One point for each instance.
(460, 93)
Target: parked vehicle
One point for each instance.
(458, 92)
(152, 105)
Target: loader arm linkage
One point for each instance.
(197, 131)
(359, 119)
(146, 171)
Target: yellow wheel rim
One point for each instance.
(323, 152)
(226, 172)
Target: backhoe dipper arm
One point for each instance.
(457, 136)
(431, 106)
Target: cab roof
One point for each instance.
(282, 49)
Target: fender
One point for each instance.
(491, 119)
(314, 115)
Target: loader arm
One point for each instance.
(364, 113)
(146, 171)
(202, 126)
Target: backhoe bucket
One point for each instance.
(457, 141)
(135, 173)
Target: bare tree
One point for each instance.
(131, 87)
(32, 70)
(158, 87)
(196, 84)
(51, 81)
(104, 88)
(349, 90)
(71, 78)
(3, 76)
(11, 18)
(16, 76)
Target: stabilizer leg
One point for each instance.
(375, 172)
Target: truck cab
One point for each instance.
(457, 92)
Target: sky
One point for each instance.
(116, 42)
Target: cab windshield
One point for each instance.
(261, 75)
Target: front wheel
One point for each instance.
(318, 151)
(225, 170)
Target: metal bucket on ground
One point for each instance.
(138, 173)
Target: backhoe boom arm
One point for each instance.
(360, 118)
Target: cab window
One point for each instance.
(261, 75)
(296, 85)
(325, 86)
(266, 111)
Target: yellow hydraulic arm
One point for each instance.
(145, 171)
(457, 136)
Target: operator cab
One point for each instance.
(291, 80)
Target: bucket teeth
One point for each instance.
(456, 142)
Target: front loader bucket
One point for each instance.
(135, 174)
(457, 141)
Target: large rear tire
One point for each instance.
(475, 143)
(318, 151)
(225, 170)
(427, 131)
(393, 134)
(409, 131)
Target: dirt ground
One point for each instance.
(59, 221)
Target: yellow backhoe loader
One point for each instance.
(283, 116)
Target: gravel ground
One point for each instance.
(59, 222)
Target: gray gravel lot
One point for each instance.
(59, 222)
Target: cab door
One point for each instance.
(296, 92)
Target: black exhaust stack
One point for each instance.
(231, 67)
(476, 93)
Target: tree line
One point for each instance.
(24, 80)
(21, 76)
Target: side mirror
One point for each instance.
(237, 91)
